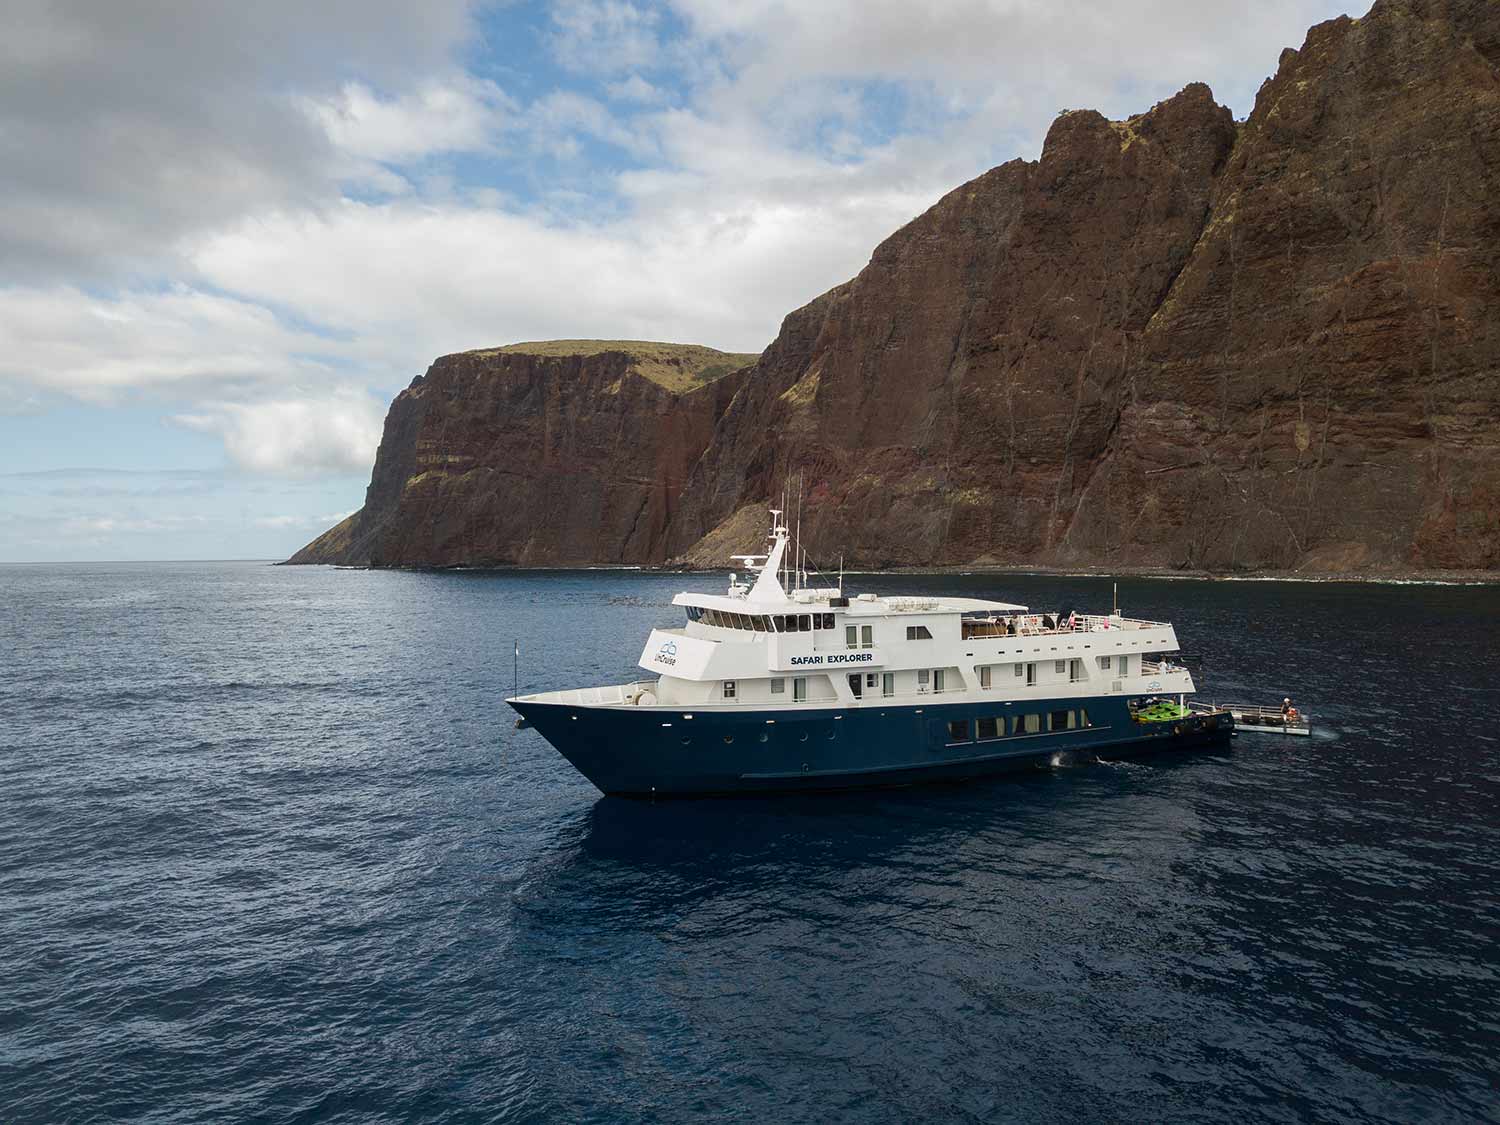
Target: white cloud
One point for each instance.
(303, 436)
(455, 114)
(95, 348)
(124, 126)
(605, 36)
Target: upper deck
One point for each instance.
(762, 646)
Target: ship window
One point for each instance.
(918, 633)
(791, 623)
(1059, 720)
(1124, 664)
(1019, 668)
(1059, 666)
(804, 623)
(937, 679)
(888, 684)
(1028, 724)
(870, 680)
(828, 621)
(922, 676)
(958, 731)
(728, 689)
(799, 688)
(851, 636)
(988, 728)
(984, 676)
(867, 636)
(1083, 717)
(1075, 670)
(778, 686)
(1104, 662)
(1030, 674)
(777, 622)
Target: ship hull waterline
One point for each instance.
(651, 752)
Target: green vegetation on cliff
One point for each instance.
(673, 367)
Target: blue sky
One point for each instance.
(229, 234)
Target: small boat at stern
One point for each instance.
(774, 686)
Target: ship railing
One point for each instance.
(606, 696)
(1159, 667)
(1034, 625)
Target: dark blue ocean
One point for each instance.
(271, 849)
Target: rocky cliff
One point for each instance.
(541, 454)
(1175, 340)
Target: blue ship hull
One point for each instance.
(639, 752)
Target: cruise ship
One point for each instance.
(773, 686)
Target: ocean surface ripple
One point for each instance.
(271, 848)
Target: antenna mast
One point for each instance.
(801, 562)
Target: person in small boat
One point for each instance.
(1288, 712)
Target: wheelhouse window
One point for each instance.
(918, 633)
(828, 621)
(804, 623)
(729, 689)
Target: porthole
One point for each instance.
(728, 738)
(804, 736)
(830, 734)
(764, 737)
(687, 741)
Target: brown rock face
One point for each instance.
(1171, 341)
(536, 455)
